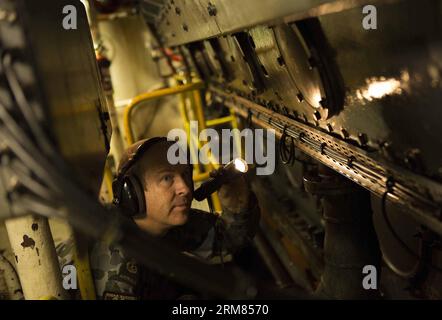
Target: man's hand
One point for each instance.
(234, 195)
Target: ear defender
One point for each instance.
(132, 197)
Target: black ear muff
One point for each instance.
(131, 197)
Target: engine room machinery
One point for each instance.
(352, 90)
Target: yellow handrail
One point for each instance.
(144, 97)
(218, 121)
(197, 109)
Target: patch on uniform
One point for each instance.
(118, 296)
(131, 266)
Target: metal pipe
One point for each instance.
(84, 274)
(218, 121)
(296, 274)
(36, 258)
(350, 239)
(272, 261)
(11, 280)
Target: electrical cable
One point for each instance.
(31, 157)
(24, 106)
(286, 155)
(36, 205)
(33, 186)
(389, 189)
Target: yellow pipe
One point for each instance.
(218, 121)
(196, 105)
(85, 279)
(201, 176)
(48, 298)
(199, 113)
(81, 261)
(237, 138)
(182, 108)
(150, 96)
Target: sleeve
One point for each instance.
(116, 276)
(65, 253)
(235, 230)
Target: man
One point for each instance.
(158, 197)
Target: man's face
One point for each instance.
(167, 188)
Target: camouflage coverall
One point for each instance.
(205, 235)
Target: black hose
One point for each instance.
(287, 154)
(411, 273)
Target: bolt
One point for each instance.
(362, 137)
(211, 9)
(344, 133)
(185, 27)
(177, 11)
(317, 115)
(329, 127)
(300, 97)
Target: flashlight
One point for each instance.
(231, 170)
